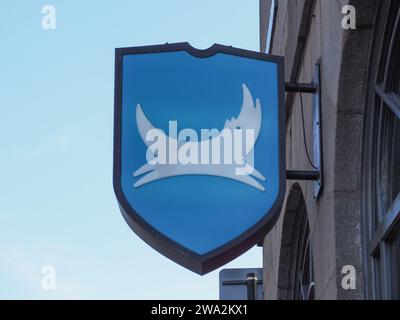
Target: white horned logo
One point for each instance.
(248, 121)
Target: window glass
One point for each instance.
(395, 161)
(395, 265)
(381, 159)
(389, 159)
(377, 276)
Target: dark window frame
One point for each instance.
(380, 207)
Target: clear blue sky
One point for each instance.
(57, 204)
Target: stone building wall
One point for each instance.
(307, 32)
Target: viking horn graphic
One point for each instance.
(249, 114)
(144, 125)
(249, 118)
(248, 102)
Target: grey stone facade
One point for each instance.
(306, 32)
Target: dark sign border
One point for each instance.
(200, 264)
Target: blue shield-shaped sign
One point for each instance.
(199, 155)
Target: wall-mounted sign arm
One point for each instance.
(301, 87)
(302, 175)
(314, 88)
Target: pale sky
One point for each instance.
(57, 205)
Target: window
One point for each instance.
(381, 159)
(296, 271)
(304, 284)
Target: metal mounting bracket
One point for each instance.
(314, 88)
(301, 87)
